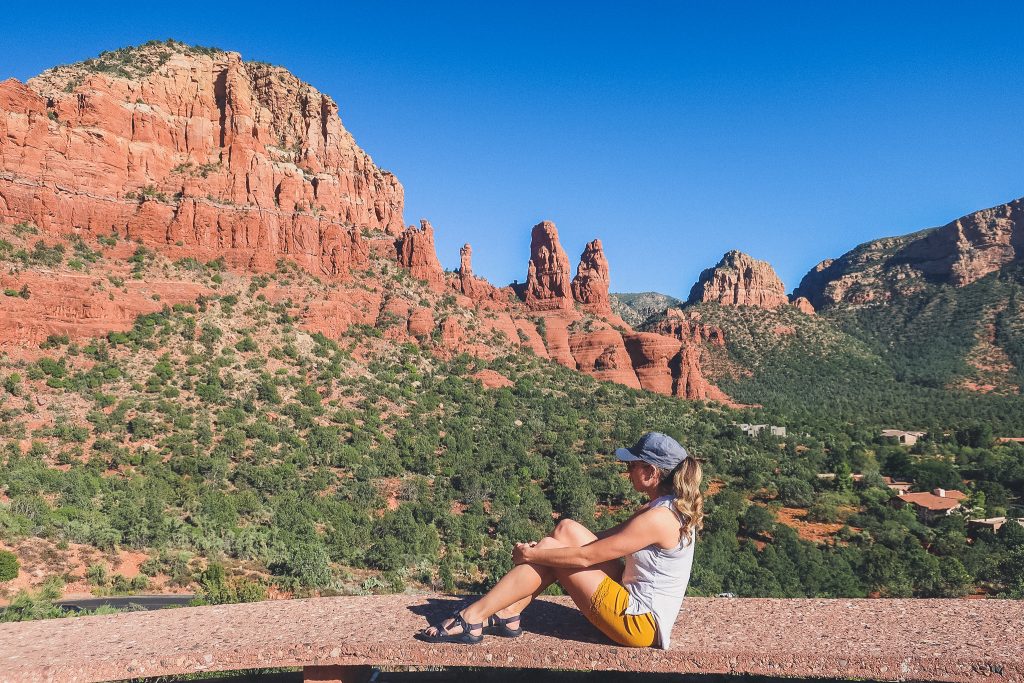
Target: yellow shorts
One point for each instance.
(608, 613)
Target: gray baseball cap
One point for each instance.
(657, 449)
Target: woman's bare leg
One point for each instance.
(519, 586)
(569, 533)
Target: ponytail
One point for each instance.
(684, 483)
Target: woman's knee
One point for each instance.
(550, 542)
(571, 532)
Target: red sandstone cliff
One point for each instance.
(739, 280)
(197, 149)
(686, 326)
(196, 153)
(479, 291)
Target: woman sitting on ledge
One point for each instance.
(636, 603)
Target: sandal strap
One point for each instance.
(466, 626)
(495, 620)
(457, 618)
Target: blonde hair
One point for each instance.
(684, 481)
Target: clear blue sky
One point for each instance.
(792, 131)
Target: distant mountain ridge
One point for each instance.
(636, 307)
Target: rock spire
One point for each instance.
(548, 285)
(590, 286)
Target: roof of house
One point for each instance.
(901, 432)
(989, 521)
(930, 501)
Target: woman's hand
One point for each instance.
(520, 554)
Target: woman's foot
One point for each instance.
(504, 625)
(455, 629)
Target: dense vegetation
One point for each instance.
(202, 454)
(895, 365)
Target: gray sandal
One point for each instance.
(443, 636)
(499, 626)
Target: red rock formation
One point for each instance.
(970, 247)
(590, 286)
(203, 155)
(556, 338)
(530, 337)
(453, 337)
(687, 327)
(480, 291)
(227, 158)
(603, 355)
(416, 251)
(492, 379)
(804, 305)
(74, 305)
(739, 280)
(421, 322)
(547, 280)
(650, 355)
(668, 366)
(333, 312)
(688, 381)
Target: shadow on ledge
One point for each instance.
(543, 618)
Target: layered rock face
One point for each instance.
(603, 355)
(590, 286)
(739, 280)
(970, 247)
(197, 150)
(957, 254)
(547, 281)
(686, 326)
(73, 305)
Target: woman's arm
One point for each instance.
(618, 527)
(653, 526)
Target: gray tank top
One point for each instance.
(656, 579)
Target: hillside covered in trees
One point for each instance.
(239, 453)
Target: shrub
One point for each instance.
(97, 574)
(9, 565)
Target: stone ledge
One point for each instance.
(929, 640)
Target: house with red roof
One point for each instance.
(930, 505)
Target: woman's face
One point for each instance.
(642, 475)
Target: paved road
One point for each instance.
(148, 602)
